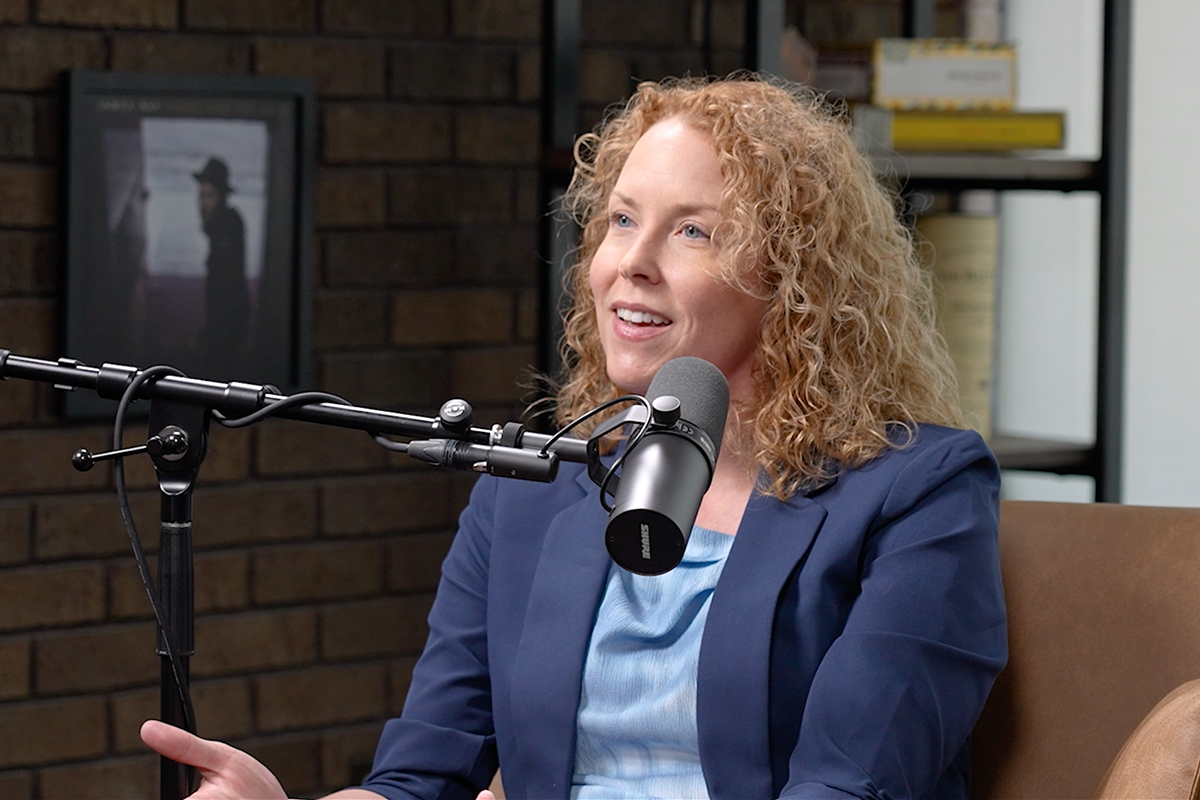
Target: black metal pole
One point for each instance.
(177, 598)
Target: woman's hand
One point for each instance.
(228, 773)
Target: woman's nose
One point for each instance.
(640, 261)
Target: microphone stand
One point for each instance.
(180, 411)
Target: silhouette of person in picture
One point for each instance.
(226, 294)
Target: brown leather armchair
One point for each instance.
(1104, 622)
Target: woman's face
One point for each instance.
(654, 275)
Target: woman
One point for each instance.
(838, 619)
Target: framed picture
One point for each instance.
(189, 226)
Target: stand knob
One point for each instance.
(171, 443)
(455, 416)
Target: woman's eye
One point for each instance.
(620, 220)
(691, 231)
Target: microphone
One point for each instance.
(667, 472)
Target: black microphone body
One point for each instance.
(667, 472)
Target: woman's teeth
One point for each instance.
(640, 317)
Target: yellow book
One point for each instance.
(885, 129)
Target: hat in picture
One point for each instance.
(215, 172)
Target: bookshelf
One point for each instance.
(1106, 176)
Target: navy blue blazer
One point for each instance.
(851, 640)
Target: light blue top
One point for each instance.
(636, 728)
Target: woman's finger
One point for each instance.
(186, 748)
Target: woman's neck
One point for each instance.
(733, 481)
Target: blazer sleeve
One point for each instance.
(443, 745)
(895, 697)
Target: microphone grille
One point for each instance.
(702, 390)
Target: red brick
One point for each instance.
(421, 18)
(496, 256)
(528, 319)
(91, 525)
(102, 780)
(48, 731)
(228, 457)
(51, 595)
(387, 258)
(440, 196)
(27, 326)
(278, 15)
(662, 24)
(346, 753)
(415, 561)
(295, 760)
(34, 59)
(166, 52)
(529, 75)
(109, 14)
(15, 527)
(221, 580)
(392, 503)
(497, 135)
(255, 513)
(453, 71)
(28, 263)
(728, 24)
(405, 382)
(16, 127)
(290, 448)
(500, 19)
(17, 407)
(104, 657)
(297, 573)
(14, 669)
(320, 696)
(350, 198)
(494, 375)
(254, 641)
(350, 319)
(27, 196)
(337, 68)
(452, 316)
(605, 76)
(13, 11)
(388, 627)
(374, 132)
(17, 784)
(529, 208)
(222, 712)
(46, 131)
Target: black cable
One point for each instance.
(300, 399)
(637, 437)
(139, 555)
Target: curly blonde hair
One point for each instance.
(848, 348)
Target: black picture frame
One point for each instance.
(189, 226)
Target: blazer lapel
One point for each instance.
(566, 592)
(732, 685)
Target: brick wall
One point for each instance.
(316, 551)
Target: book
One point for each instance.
(943, 73)
(961, 251)
(883, 129)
